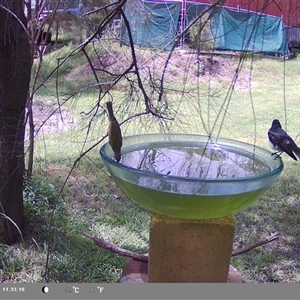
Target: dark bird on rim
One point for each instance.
(281, 142)
(114, 133)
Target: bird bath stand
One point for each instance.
(192, 185)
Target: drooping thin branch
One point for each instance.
(134, 59)
(148, 105)
(99, 9)
(92, 67)
(211, 10)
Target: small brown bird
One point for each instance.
(114, 133)
(280, 141)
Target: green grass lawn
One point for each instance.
(90, 201)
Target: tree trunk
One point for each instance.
(15, 68)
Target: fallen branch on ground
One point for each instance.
(108, 246)
(267, 240)
(144, 258)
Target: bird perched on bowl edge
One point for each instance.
(114, 133)
(280, 141)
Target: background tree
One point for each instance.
(20, 27)
(15, 68)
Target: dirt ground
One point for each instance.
(197, 67)
(182, 66)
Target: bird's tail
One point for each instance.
(297, 151)
(110, 110)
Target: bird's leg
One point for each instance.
(277, 154)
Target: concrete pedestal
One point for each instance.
(190, 250)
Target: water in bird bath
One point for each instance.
(202, 162)
(193, 179)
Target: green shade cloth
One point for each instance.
(155, 25)
(243, 31)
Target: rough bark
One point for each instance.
(15, 68)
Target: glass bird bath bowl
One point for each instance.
(191, 176)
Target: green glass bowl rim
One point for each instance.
(193, 179)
